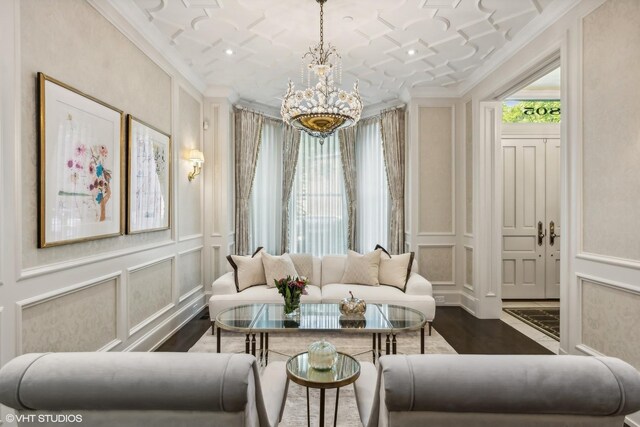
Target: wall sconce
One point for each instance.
(197, 158)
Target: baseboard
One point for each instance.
(447, 298)
(468, 302)
(163, 331)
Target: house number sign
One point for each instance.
(541, 111)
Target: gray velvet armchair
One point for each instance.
(497, 391)
(137, 389)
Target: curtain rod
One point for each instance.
(262, 113)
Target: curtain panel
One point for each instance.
(266, 195)
(347, 139)
(248, 128)
(393, 144)
(373, 189)
(290, 149)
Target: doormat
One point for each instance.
(544, 319)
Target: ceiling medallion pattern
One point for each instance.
(450, 41)
(323, 108)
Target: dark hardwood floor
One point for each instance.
(465, 333)
(189, 334)
(470, 335)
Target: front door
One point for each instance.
(523, 248)
(531, 218)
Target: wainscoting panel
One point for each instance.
(611, 320)
(150, 291)
(436, 192)
(468, 262)
(82, 318)
(437, 263)
(468, 144)
(190, 271)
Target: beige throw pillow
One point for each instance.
(362, 269)
(248, 270)
(277, 267)
(395, 269)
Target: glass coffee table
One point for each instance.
(263, 319)
(345, 371)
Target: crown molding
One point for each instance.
(136, 26)
(548, 17)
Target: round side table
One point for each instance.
(346, 371)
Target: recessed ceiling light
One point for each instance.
(348, 18)
(411, 52)
(229, 51)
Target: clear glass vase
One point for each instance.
(292, 306)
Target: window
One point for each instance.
(373, 191)
(265, 215)
(318, 209)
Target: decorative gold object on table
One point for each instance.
(322, 355)
(352, 306)
(353, 321)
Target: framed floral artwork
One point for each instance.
(81, 187)
(149, 183)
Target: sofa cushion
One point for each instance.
(277, 267)
(362, 269)
(304, 266)
(333, 268)
(248, 270)
(336, 292)
(264, 294)
(395, 269)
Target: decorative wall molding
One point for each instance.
(150, 319)
(58, 293)
(172, 259)
(603, 259)
(452, 246)
(154, 338)
(191, 292)
(417, 193)
(190, 237)
(30, 273)
(199, 285)
(613, 284)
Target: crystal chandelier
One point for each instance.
(322, 109)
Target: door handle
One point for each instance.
(541, 233)
(552, 233)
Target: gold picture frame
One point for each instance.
(81, 166)
(149, 177)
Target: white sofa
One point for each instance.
(325, 287)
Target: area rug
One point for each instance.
(544, 319)
(295, 412)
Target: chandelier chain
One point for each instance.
(321, 28)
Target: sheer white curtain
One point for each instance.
(318, 208)
(373, 190)
(265, 211)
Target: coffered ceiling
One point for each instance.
(451, 40)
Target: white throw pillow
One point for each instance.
(362, 269)
(277, 267)
(395, 269)
(248, 270)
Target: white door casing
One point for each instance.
(552, 264)
(523, 252)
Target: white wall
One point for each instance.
(123, 293)
(600, 295)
